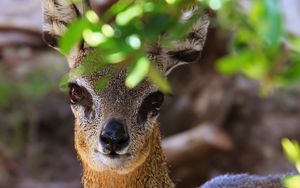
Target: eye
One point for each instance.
(80, 96)
(150, 106)
(75, 93)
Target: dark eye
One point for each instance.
(75, 93)
(80, 96)
(151, 105)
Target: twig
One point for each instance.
(186, 145)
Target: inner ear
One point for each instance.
(81, 95)
(150, 106)
(187, 56)
(50, 39)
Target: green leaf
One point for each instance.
(134, 41)
(107, 30)
(266, 19)
(159, 80)
(157, 23)
(116, 8)
(92, 17)
(73, 35)
(291, 150)
(130, 13)
(291, 74)
(252, 64)
(292, 181)
(92, 38)
(294, 43)
(138, 72)
(64, 82)
(273, 16)
(215, 4)
(115, 57)
(230, 64)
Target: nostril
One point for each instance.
(122, 143)
(114, 136)
(123, 140)
(114, 144)
(104, 140)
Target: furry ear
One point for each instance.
(189, 49)
(57, 14)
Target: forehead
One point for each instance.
(114, 89)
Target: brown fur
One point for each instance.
(152, 173)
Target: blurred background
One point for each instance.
(241, 102)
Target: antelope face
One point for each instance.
(113, 126)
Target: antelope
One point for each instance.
(117, 135)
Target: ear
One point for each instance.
(57, 14)
(189, 49)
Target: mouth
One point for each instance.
(114, 155)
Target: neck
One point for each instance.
(152, 173)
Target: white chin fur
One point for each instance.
(114, 163)
(120, 165)
(123, 164)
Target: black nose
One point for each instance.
(114, 136)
